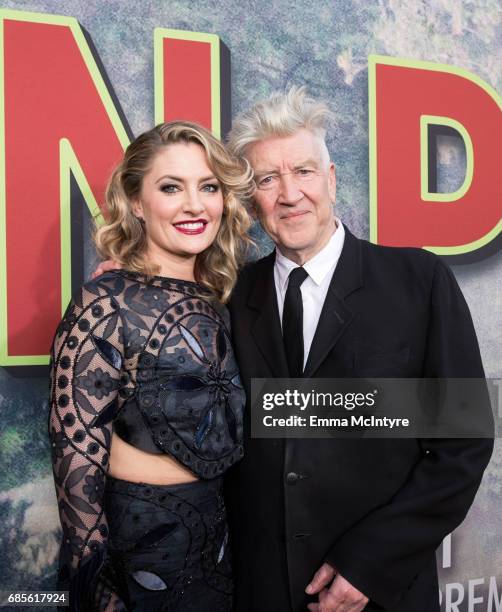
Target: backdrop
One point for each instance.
(269, 45)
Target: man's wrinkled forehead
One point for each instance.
(303, 148)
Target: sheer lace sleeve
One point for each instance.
(86, 363)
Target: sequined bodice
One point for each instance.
(152, 361)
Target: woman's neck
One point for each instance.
(172, 265)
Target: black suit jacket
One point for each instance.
(376, 509)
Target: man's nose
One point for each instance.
(289, 192)
(192, 202)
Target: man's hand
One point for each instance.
(105, 266)
(341, 596)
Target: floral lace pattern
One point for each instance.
(151, 360)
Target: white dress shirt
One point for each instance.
(314, 288)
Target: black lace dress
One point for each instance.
(152, 361)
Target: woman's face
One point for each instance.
(181, 203)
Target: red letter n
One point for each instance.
(61, 131)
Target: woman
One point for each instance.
(146, 402)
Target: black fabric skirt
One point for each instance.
(168, 546)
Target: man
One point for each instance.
(343, 524)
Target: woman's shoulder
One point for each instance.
(107, 285)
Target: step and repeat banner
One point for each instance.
(415, 88)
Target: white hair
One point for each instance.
(282, 114)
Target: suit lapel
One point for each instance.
(266, 328)
(336, 316)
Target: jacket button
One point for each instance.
(292, 478)
(301, 536)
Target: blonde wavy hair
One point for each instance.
(123, 238)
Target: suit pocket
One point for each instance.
(371, 360)
(372, 606)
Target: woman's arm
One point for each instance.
(86, 362)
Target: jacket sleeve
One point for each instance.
(86, 361)
(383, 553)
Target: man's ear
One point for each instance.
(332, 182)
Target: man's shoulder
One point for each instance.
(254, 269)
(401, 259)
(249, 274)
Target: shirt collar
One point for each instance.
(317, 267)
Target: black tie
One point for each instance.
(292, 322)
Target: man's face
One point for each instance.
(296, 190)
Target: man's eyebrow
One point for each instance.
(260, 172)
(307, 162)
